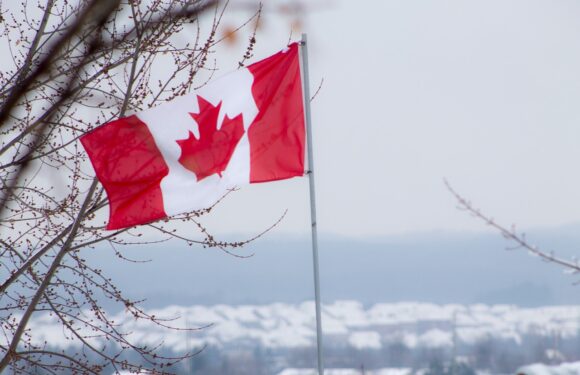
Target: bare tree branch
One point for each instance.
(76, 66)
(511, 234)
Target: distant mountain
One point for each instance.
(438, 268)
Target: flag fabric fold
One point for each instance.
(245, 127)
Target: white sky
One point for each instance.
(485, 93)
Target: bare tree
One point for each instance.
(511, 234)
(70, 66)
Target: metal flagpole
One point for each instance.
(306, 88)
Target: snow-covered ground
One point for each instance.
(385, 371)
(541, 369)
(535, 369)
(345, 324)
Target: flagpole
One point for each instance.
(306, 88)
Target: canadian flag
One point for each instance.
(245, 127)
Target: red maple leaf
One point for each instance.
(212, 152)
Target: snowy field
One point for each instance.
(535, 369)
(345, 324)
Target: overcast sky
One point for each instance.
(483, 93)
